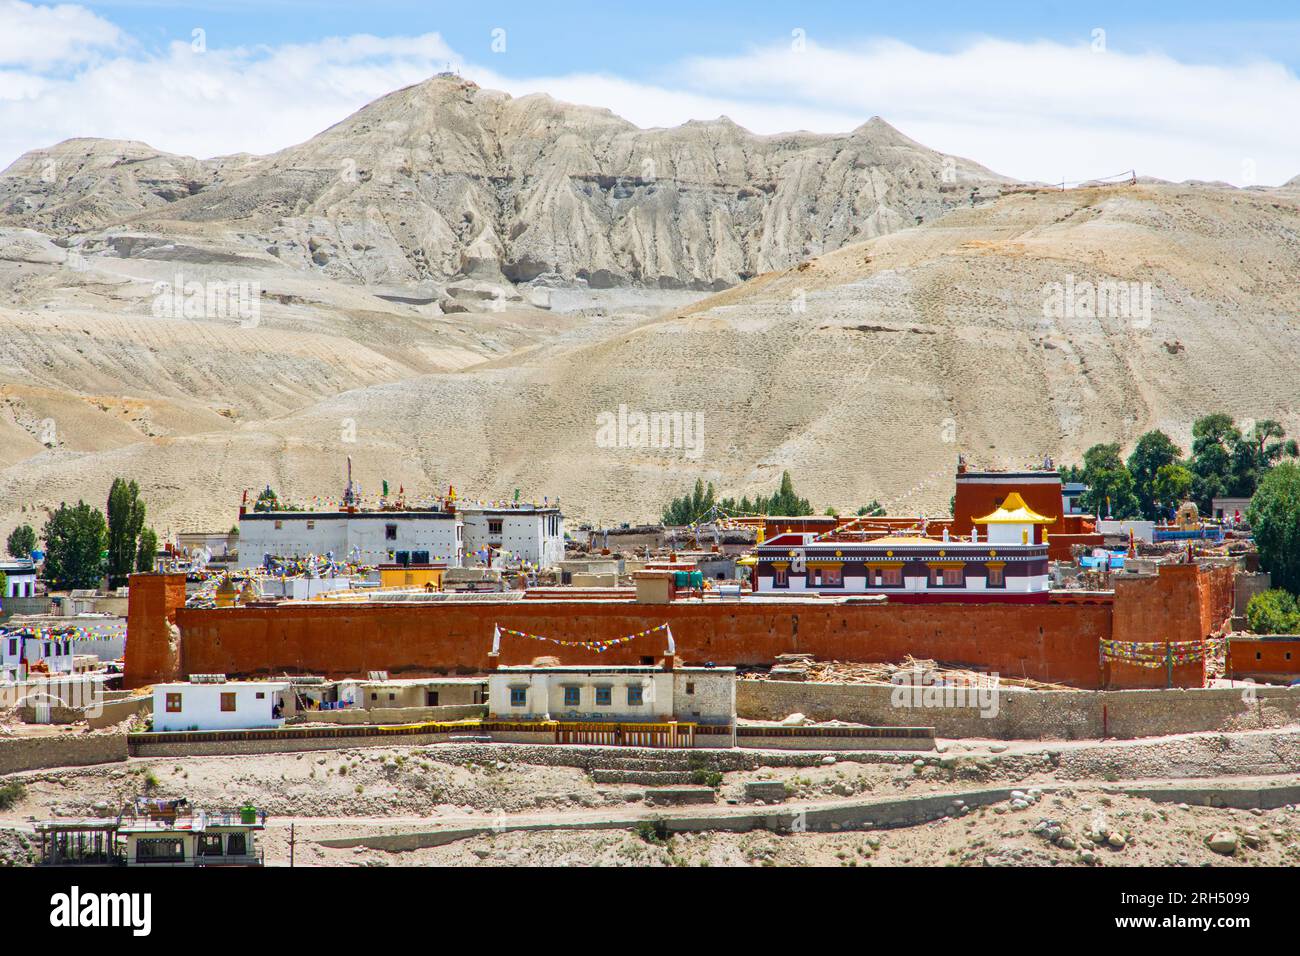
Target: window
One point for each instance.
(419, 557)
(404, 558)
(173, 703)
(431, 698)
(210, 844)
(518, 696)
(261, 695)
(227, 703)
(13, 647)
(690, 687)
(494, 527)
(392, 697)
(952, 578)
(159, 851)
(279, 525)
(997, 578)
(780, 578)
(572, 696)
(311, 525)
(634, 696)
(390, 532)
(891, 577)
(237, 844)
(832, 578)
(604, 696)
(374, 696)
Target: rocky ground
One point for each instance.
(1068, 806)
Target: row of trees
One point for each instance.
(695, 506)
(82, 546)
(1156, 478)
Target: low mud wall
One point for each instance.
(60, 750)
(1014, 714)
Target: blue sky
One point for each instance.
(1043, 91)
(640, 40)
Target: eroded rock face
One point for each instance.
(445, 178)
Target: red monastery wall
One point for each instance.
(1057, 641)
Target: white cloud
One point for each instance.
(216, 101)
(42, 37)
(1042, 111)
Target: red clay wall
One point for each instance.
(1057, 641)
(1183, 602)
(151, 611)
(1264, 657)
(1044, 642)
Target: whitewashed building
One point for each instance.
(219, 705)
(524, 533)
(473, 536)
(20, 578)
(628, 694)
(429, 536)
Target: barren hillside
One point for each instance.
(864, 354)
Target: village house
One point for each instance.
(20, 578)
(155, 833)
(620, 694)
(210, 702)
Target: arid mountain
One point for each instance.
(446, 178)
(866, 354)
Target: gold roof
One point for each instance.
(1013, 511)
(904, 539)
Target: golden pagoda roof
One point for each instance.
(1013, 511)
(904, 539)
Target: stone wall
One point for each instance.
(60, 750)
(390, 715)
(1032, 715)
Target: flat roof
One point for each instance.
(264, 684)
(609, 669)
(309, 515)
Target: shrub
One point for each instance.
(706, 778)
(10, 794)
(653, 831)
(1273, 612)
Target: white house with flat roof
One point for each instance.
(368, 537)
(219, 705)
(624, 694)
(20, 578)
(520, 534)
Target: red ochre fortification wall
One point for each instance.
(1049, 642)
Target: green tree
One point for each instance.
(1110, 486)
(125, 521)
(1273, 612)
(1274, 516)
(4, 582)
(1153, 451)
(76, 541)
(786, 502)
(22, 541)
(873, 510)
(1215, 438)
(691, 508)
(1170, 488)
(146, 551)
